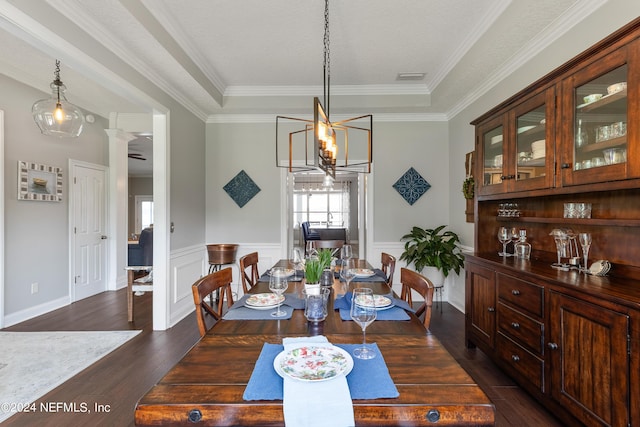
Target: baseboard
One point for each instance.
(38, 310)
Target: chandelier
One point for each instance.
(322, 144)
(56, 116)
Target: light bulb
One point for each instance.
(58, 113)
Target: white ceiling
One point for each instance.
(225, 59)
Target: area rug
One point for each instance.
(34, 363)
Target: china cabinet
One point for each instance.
(571, 339)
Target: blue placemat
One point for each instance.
(297, 277)
(369, 379)
(397, 312)
(244, 313)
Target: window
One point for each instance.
(144, 212)
(322, 207)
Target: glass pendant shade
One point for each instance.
(56, 116)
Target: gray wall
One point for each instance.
(230, 149)
(187, 202)
(36, 233)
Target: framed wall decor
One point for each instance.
(39, 182)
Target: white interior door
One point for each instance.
(88, 225)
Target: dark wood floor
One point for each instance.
(122, 377)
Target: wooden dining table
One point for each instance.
(206, 387)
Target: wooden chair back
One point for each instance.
(417, 282)
(249, 278)
(388, 267)
(219, 280)
(334, 245)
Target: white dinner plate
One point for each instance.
(381, 302)
(313, 363)
(266, 300)
(287, 272)
(364, 272)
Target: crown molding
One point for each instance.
(336, 90)
(377, 118)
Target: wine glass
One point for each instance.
(348, 272)
(311, 249)
(585, 242)
(504, 237)
(278, 284)
(363, 312)
(296, 260)
(346, 252)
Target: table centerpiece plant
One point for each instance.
(314, 266)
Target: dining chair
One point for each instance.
(388, 267)
(423, 286)
(219, 280)
(334, 245)
(249, 278)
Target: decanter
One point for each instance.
(523, 248)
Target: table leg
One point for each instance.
(130, 278)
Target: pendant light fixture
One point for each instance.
(323, 144)
(56, 116)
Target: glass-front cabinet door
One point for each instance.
(490, 145)
(533, 156)
(598, 137)
(516, 148)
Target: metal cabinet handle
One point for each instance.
(552, 346)
(491, 309)
(103, 237)
(515, 358)
(565, 166)
(515, 325)
(195, 416)
(433, 415)
(515, 292)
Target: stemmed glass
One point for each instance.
(278, 284)
(311, 249)
(348, 272)
(296, 260)
(585, 242)
(346, 252)
(363, 312)
(504, 237)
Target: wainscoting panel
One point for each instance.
(186, 266)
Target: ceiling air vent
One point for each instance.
(410, 76)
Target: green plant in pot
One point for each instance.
(433, 248)
(313, 269)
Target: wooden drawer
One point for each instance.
(522, 329)
(525, 295)
(523, 363)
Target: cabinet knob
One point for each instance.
(552, 346)
(515, 292)
(433, 415)
(195, 415)
(515, 325)
(515, 357)
(491, 309)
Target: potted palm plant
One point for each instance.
(433, 250)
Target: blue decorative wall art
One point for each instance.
(411, 186)
(241, 188)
